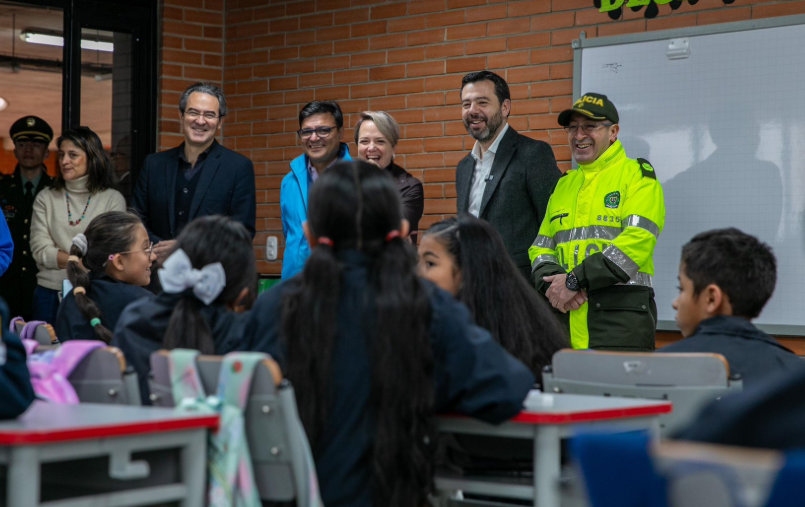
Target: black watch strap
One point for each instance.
(572, 283)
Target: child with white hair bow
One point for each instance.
(206, 281)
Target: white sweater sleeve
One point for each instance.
(116, 201)
(43, 247)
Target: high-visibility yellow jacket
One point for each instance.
(602, 223)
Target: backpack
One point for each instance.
(50, 369)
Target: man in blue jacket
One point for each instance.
(320, 132)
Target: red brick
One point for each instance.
(213, 32)
(315, 80)
(426, 37)
(409, 116)
(552, 88)
(328, 5)
(457, 4)
(384, 41)
(671, 22)
(332, 93)
(473, 31)
(250, 142)
(387, 72)
(559, 104)
(203, 73)
(409, 146)
(172, 42)
(433, 191)
(236, 46)
(332, 63)
(316, 21)
(280, 25)
(445, 19)
(520, 91)
(529, 41)
(636, 26)
(424, 130)
(333, 33)
(440, 206)
(426, 99)
(354, 106)
(424, 69)
(440, 176)
(283, 53)
(300, 66)
(367, 59)
(350, 16)
(486, 13)
(528, 8)
(299, 38)
(450, 190)
(177, 28)
(371, 28)
(466, 64)
(406, 86)
(508, 27)
(484, 46)
(552, 21)
(561, 5)
(172, 13)
(407, 24)
(528, 74)
(388, 11)
(423, 6)
(778, 9)
(253, 57)
(448, 113)
(367, 90)
(283, 83)
(551, 55)
(351, 76)
(444, 50)
(725, 16)
(406, 55)
(269, 99)
(351, 46)
(270, 70)
(256, 114)
(387, 103)
(235, 74)
(204, 17)
(314, 50)
(542, 122)
(172, 55)
(424, 160)
(239, 17)
(299, 96)
(442, 83)
(213, 60)
(562, 71)
(508, 59)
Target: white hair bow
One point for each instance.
(80, 241)
(178, 275)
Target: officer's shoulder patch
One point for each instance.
(646, 168)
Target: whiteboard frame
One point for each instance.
(582, 43)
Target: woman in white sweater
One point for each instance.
(82, 191)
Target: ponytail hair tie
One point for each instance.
(80, 290)
(393, 234)
(73, 258)
(80, 241)
(94, 322)
(324, 240)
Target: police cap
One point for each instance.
(31, 128)
(592, 105)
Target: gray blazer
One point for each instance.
(524, 175)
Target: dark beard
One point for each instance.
(493, 124)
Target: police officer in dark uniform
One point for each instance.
(31, 136)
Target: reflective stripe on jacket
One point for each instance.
(602, 223)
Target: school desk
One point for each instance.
(545, 421)
(105, 455)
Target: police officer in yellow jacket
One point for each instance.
(593, 256)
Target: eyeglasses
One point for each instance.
(194, 115)
(148, 250)
(587, 129)
(322, 132)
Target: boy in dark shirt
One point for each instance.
(725, 279)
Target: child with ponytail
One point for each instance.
(210, 274)
(372, 350)
(108, 266)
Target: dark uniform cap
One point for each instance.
(591, 105)
(31, 128)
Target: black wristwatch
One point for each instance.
(572, 283)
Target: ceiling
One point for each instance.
(30, 90)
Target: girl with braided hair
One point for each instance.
(109, 265)
(374, 351)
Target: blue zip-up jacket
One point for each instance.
(7, 245)
(293, 208)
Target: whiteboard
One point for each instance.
(724, 129)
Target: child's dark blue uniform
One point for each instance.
(111, 296)
(472, 374)
(142, 325)
(16, 393)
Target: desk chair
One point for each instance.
(273, 428)
(688, 380)
(625, 470)
(102, 377)
(44, 334)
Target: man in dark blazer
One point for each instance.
(197, 178)
(508, 178)
(31, 136)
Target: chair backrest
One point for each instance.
(272, 424)
(102, 377)
(44, 333)
(688, 380)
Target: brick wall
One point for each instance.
(404, 57)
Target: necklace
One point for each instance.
(70, 215)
